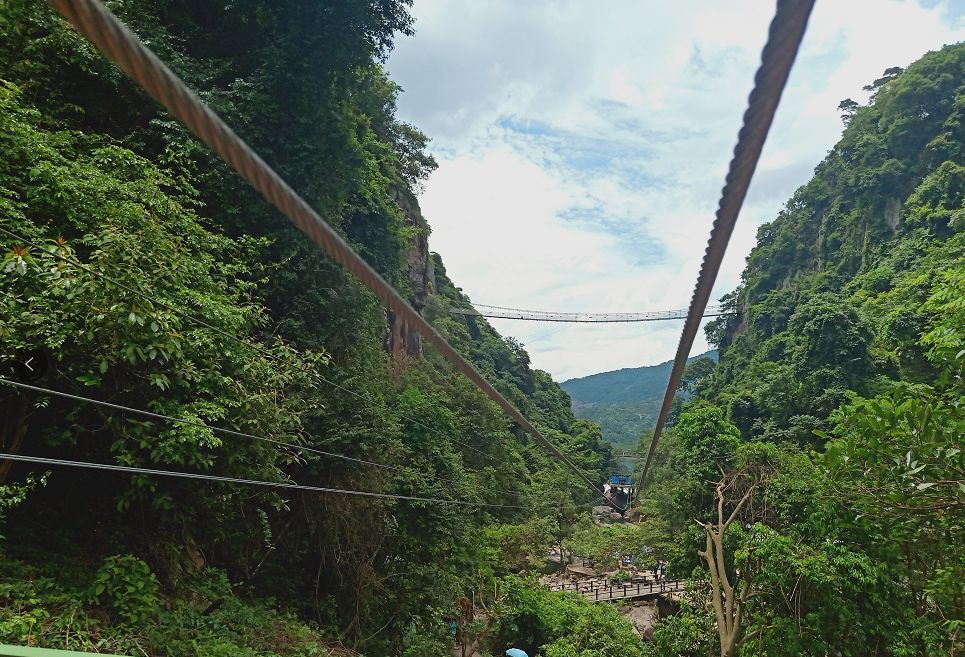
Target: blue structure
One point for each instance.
(620, 480)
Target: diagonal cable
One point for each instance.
(247, 482)
(230, 432)
(783, 40)
(261, 350)
(116, 41)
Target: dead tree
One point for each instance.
(734, 497)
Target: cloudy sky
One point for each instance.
(582, 145)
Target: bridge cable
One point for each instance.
(230, 432)
(116, 40)
(247, 482)
(501, 312)
(784, 38)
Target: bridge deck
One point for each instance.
(551, 316)
(604, 593)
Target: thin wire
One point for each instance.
(248, 482)
(200, 322)
(784, 38)
(260, 350)
(115, 40)
(230, 432)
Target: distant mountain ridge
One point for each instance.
(623, 402)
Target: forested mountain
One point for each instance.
(147, 274)
(625, 402)
(832, 299)
(823, 457)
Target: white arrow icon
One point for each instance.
(27, 364)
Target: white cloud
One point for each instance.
(582, 146)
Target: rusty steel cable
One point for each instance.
(118, 43)
(783, 40)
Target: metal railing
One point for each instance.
(24, 651)
(499, 312)
(596, 591)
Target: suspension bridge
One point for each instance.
(601, 590)
(501, 312)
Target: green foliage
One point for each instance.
(606, 545)
(902, 451)
(858, 281)
(561, 625)
(39, 608)
(697, 371)
(13, 495)
(688, 633)
(944, 340)
(94, 174)
(841, 369)
(521, 546)
(128, 587)
(833, 294)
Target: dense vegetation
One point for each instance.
(99, 184)
(625, 403)
(823, 457)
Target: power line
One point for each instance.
(192, 423)
(200, 322)
(247, 482)
(784, 38)
(116, 41)
(230, 432)
(498, 312)
(256, 347)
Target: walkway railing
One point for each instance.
(23, 651)
(480, 310)
(601, 592)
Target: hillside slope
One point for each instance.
(831, 299)
(831, 430)
(623, 402)
(151, 276)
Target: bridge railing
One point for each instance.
(596, 591)
(23, 651)
(552, 316)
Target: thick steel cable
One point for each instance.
(227, 334)
(117, 42)
(783, 40)
(229, 432)
(247, 482)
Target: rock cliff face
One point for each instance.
(403, 339)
